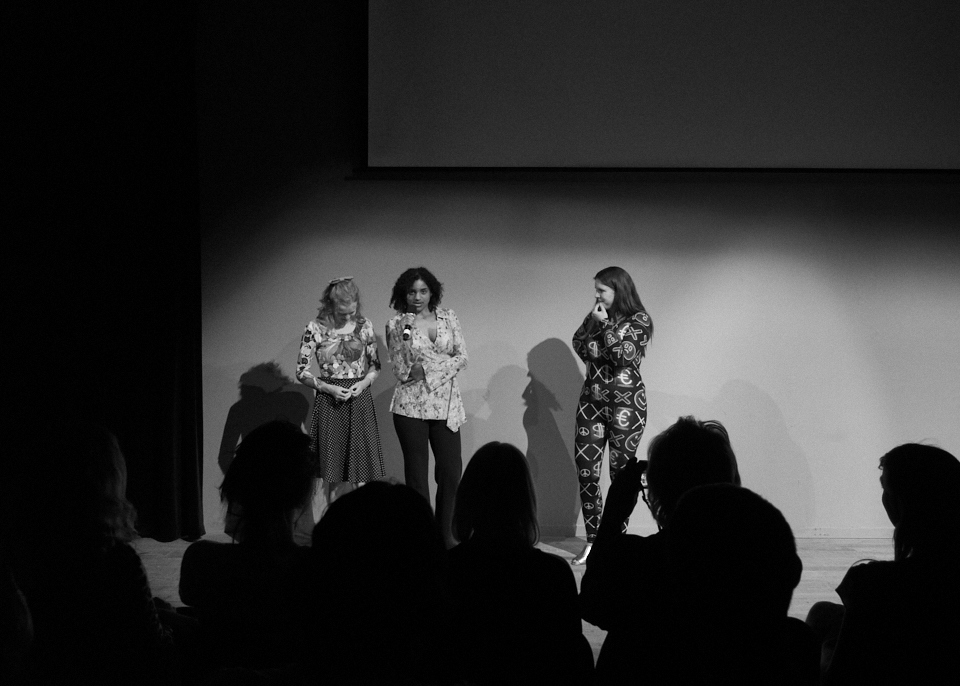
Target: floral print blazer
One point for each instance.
(339, 355)
(438, 395)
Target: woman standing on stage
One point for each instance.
(427, 352)
(612, 341)
(344, 434)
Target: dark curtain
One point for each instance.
(105, 243)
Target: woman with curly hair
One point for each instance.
(248, 594)
(344, 434)
(427, 352)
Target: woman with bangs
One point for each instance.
(343, 434)
(612, 341)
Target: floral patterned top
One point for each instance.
(339, 355)
(438, 395)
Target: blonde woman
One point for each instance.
(344, 435)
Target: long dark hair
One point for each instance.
(495, 499)
(626, 301)
(398, 297)
(924, 482)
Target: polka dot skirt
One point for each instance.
(345, 436)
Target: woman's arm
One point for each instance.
(440, 371)
(398, 350)
(582, 338)
(372, 356)
(308, 346)
(623, 343)
(138, 621)
(859, 649)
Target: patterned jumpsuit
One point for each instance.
(613, 403)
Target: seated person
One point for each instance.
(515, 607)
(734, 564)
(625, 588)
(68, 528)
(248, 594)
(378, 594)
(901, 619)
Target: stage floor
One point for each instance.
(825, 561)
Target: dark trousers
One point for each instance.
(415, 435)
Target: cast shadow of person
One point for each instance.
(551, 400)
(266, 394)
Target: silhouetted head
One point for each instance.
(921, 494)
(378, 559)
(388, 522)
(495, 499)
(268, 376)
(270, 477)
(70, 490)
(340, 299)
(626, 301)
(689, 453)
(732, 553)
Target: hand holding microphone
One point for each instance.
(407, 329)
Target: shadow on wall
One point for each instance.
(501, 400)
(266, 393)
(551, 400)
(771, 463)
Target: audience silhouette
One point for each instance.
(16, 628)
(626, 588)
(248, 595)
(514, 607)
(378, 592)
(899, 620)
(734, 565)
(378, 598)
(67, 529)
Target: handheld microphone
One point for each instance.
(407, 328)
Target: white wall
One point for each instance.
(816, 319)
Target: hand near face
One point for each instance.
(599, 312)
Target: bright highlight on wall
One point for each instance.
(817, 321)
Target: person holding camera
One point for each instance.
(625, 589)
